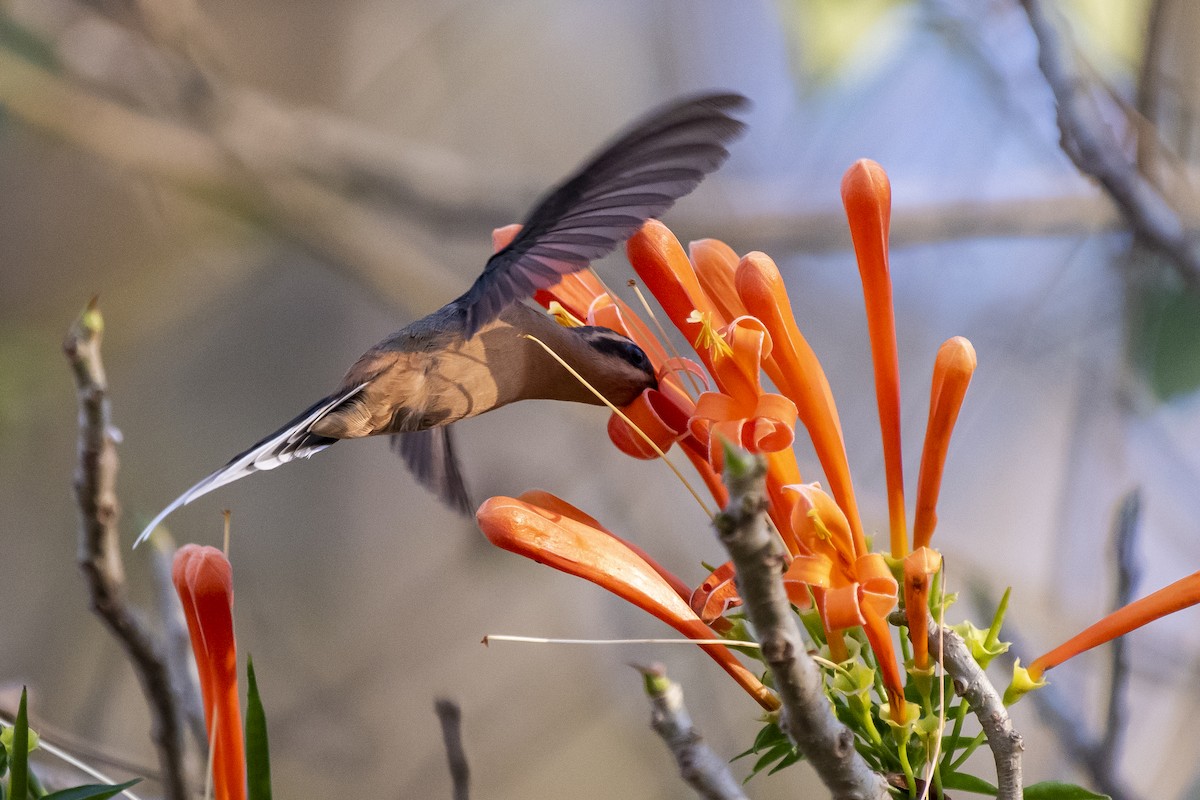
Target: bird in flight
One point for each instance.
(474, 354)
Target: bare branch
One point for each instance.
(702, 769)
(1089, 142)
(1129, 572)
(759, 558)
(99, 549)
(450, 717)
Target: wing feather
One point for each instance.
(637, 177)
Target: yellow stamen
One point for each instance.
(627, 421)
(709, 338)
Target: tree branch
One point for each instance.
(971, 684)
(759, 558)
(99, 549)
(702, 769)
(1089, 142)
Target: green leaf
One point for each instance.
(18, 784)
(968, 783)
(787, 761)
(3, 766)
(1057, 790)
(258, 757)
(774, 754)
(93, 791)
(769, 736)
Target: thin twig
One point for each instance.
(99, 550)
(759, 557)
(971, 684)
(1129, 572)
(450, 717)
(702, 769)
(1089, 142)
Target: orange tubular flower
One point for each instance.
(867, 196)
(577, 548)
(796, 371)
(203, 579)
(919, 566)
(952, 373)
(1181, 594)
(737, 315)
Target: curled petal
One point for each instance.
(877, 597)
(952, 371)
(877, 584)
(662, 414)
(715, 596)
(579, 549)
(794, 368)
(1179, 595)
(203, 579)
(805, 573)
(840, 608)
(867, 196)
(739, 375)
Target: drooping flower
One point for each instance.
(567, 543)
(1181, 594)
(203, 579)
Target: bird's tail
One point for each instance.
(294, 440)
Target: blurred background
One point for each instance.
(258, 191)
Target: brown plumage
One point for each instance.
(472, 355)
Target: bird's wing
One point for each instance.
(294, 440)
(430, 456)
(638, 176)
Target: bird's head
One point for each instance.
(621, 369)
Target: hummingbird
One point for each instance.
(475, 353)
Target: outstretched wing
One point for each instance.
(430, 455)
(292, 441)
(637, 177)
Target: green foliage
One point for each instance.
(774, 750)
(15, 745)
(258, 759)
(968, 783)
(93, 791)
(18, 779)
(1057, 790)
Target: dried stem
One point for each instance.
(99, 550)
(1089, 142)
(702, 769)
(1129, 573)
(759, 557)
(450, 717)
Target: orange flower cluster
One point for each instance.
(737, 314)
